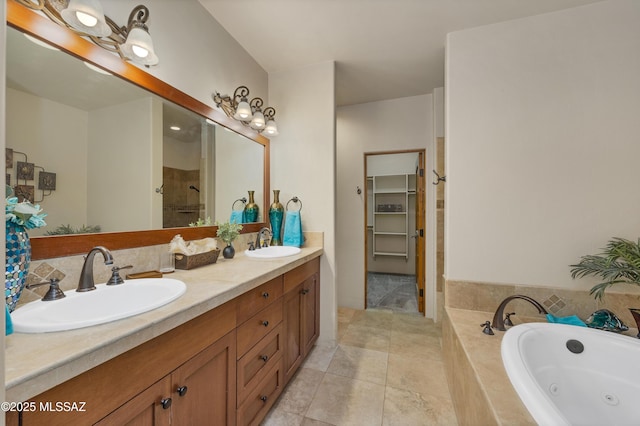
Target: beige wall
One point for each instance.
(39, 127)
(397, 124)
(541, 143)
(303, 164)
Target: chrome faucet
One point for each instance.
(260, 235)
(498, 317)
(86, 282)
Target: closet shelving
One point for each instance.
(388, 219)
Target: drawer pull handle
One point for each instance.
(166, 403)
(263, 398)
(264, 357)
(265, 323)
(265, 295)
(182, 390)
(305, 291)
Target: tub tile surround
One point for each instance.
(480, 388)
(486, 297)
(29, 370)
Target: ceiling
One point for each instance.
(383, 49)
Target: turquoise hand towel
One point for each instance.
(237, 216)
(292, 229)
(8, 325)
(571, 320)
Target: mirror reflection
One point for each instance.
(103, 152)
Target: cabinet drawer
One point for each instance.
(253, 366)
(262, 397)
(258, 326)
(257, 299)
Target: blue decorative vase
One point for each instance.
(18, 258)
(251, 210)
(276, 214)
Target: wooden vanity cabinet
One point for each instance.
(134, 388)
(301, 314)
(226, 367)
(259, 348)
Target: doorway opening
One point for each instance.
(395, 235)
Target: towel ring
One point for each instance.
(243, 200)
(295, 200)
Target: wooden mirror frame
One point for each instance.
(28, 21)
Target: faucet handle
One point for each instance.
(115, 275)
(487, 328)
(507, 319)
(54, 292)
(251, 246)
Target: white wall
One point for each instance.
(397, 124)
(54, 137)
(303, 164)
(3, 30)
(196, 53)
(234, 183)
(123, 178)
(542, 143)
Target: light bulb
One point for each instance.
(86, 19)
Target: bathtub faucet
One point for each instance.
(498, 317)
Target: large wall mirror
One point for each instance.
(130, 154)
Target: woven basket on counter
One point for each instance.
(184, 261)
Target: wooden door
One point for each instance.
(151, 407)
(310, 295)
(293, 345)
(420, 232)
(204, 388)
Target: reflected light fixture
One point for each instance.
(248, 113)
(86, 17)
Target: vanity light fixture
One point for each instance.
(248, 113)
(86, 17)
(139, 47)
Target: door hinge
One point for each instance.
(421, 292)
(422, 232)
(421, 172)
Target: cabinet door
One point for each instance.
(310, 315)
(293, 347)
(151, 407)
(204, 388)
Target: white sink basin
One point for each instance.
(102, 305)
(272, 252)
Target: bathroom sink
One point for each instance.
(272, 252)
(102, 305)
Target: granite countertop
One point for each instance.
(38, 362)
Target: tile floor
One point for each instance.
(386, 370)
(394, 292)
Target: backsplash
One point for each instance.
(67, 269)
(486, 297)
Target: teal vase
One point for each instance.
(276, 214)
(18, 258)
(251, 210)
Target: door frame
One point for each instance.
(420, 223)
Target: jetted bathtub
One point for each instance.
(568, 375)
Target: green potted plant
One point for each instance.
(619, 263)
(228, 232)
